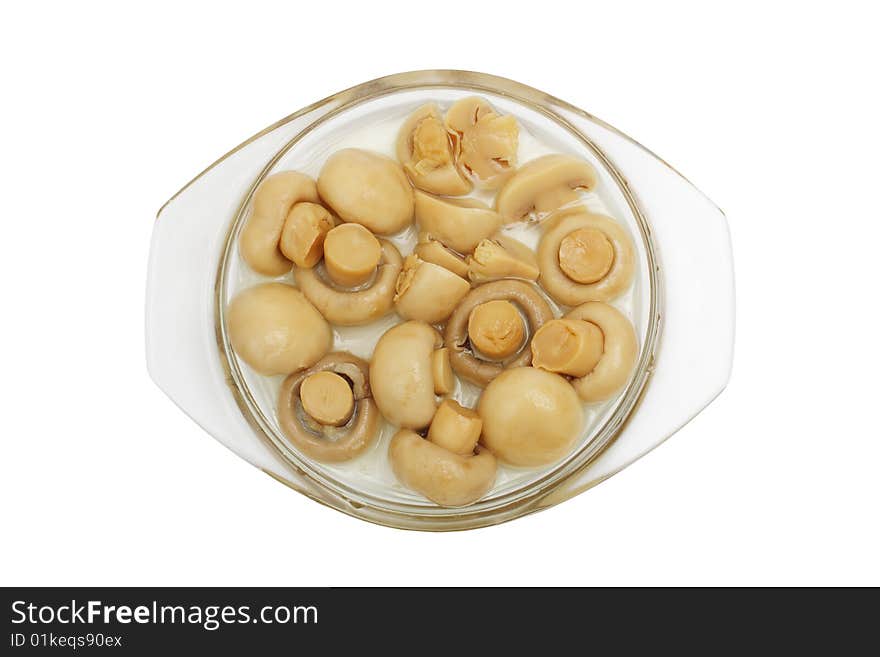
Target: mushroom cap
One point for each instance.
(275, 329)
(459, 223)
(367, 188)
(541, 183)
(530, 417)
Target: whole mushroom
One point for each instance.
(543, 185)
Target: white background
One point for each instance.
(770, 109)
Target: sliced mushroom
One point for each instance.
(464, 361)
(484, 142)
(543, 185)
(275, 329)
(424, 149)
(502, 257)
(367, 188)
(574, 249)
(530, 417)
(427, 292)
(302, 238)
(567, 346)
(619, 353)
(431, 250)
(351, 255)
(402, 374)
(458, 223)
(273, 199)
(445, 478)
(496, 329)
(455, 427)
(322, 440)
(347, 307)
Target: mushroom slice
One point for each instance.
(576, 248)
(431, 250)
(354, 307)
(464, 361)
(402, 374)
(424, 149)
(502, 257)
(619, 353)
(458, 223)
(427, 292)
(444, 477)
(484, 142)
(302, 238)
(260, 237)
(543, 185)
(323, 441)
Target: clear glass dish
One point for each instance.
(198, 255)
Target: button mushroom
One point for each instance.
(496, 329)
(444, 477)
(402, 374)
(620, 349)
(460, 224)
(427, 292)
(567, 346)
(575, 251)
(455, 428)
(461, 354)
(275, 329)
(273, 199)
(309, 412)
(484, 142)
(531, 417)
(502, 257)
(425, 151)
(351, 255)
(302, 238)
(366, 188)
(432, 250)
(353, 307)
(543, 185)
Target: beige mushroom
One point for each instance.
(351, 255)
(619, 353)
(460, 224)
(484, 142)
(441, 369)
(424, 149)
(402, 374)
(427, 292)
(302, 238)
(543, 185)
(432, 250)
(260, 237)
(575, 246)
(455, 427)
(496, 329)
(275, 329)
(531, 417)
(464, 361)
(366, 188)
(567, 346)
(445, 478)
(502, 257)
(322, 440)
(358, 306)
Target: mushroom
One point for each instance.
(484, 142)
(496, 329)
(458, 223)
(366, 188)
(441, 370)
(455, 427)
(402, 374)
(543, 185)
(275, 329)
(462, 357)
(355, 306)
(428, 292)
(585, 257)
(620, 348)
(302, 407)
(432, 250)
(302, 237)
(273, 199)
(531, 417)
(425, 151)
(351, 255)
(502, 257)
(567, 346)
(445, 478)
